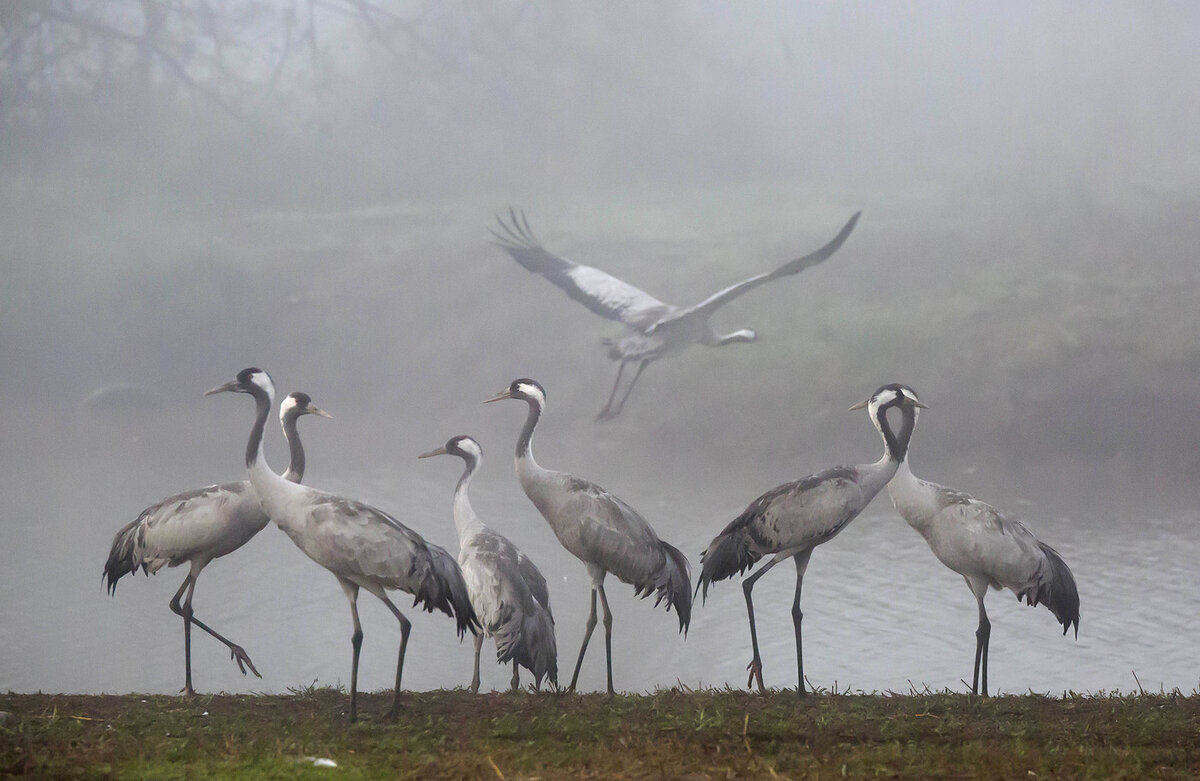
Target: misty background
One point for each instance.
(188, 189)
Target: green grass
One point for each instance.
(669, 734)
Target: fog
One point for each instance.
(307, 187)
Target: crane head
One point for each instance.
(524, 389)
(462, 446)
(891, 395)
(300, 403)
(252, 381)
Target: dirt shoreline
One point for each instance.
(669, 734)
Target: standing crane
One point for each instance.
(655, 329)
(199, 526)
(790, 520)
(988, 548)
(602, 531)
(507, 591)
(362, 546)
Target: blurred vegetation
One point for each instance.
(186, 188)
(229, 103)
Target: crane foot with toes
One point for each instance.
(755, 668)
(239, 655)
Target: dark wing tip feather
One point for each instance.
(521, 225)
(444, 589)
(503, 242)
(677, 590)
(517, 232)
(727, 555)
(536, 649)
(528, 232)
(120, 556)
(1062, 595)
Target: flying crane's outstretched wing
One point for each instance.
(599, 291)
(708, 305)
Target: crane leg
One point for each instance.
(801, 560)
(405, 626)
(185, 610)
(755, 666)
(236, 652)
(605, 413)
(629, 388)
(516, 679)
(356, 639)
(607, 635)
(608, 412)
(475, 677)
(587, 635)
(982, 636)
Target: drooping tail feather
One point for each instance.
(542, 656)
(672, 584)
(122, 558)
(444, 589)
(730, 553)
(529, 641)
(1056, 590)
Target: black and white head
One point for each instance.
(888, 396)
(524, 389)
(297, 404)
(893, 396)
(254, 381)
(462, 446)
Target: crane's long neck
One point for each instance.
(295, 471)
(895, 447)
(465, 519)
(254, 445)
(895, 444)
(528, 469)
(916, 500)
(261, 476)
(524, 442)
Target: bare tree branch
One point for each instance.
(146, 42)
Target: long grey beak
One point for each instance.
(860, 405)
(441, 451)
(919, 404)
(229, 387)
(504, 394)
(313, 409)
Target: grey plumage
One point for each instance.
(534, 580)
(524, 628)
(131, 550)
(602, 293)
(364, 547)
(367, 546)
(757, 532)
(198, 526)
(789, 521)
(988, 548)
(615, 537)
(654, 328)
(601, 530)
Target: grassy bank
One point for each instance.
(671, 734)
